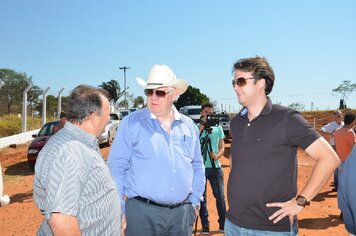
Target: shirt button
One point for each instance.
(173, 189)
(174, 171)
(249, 124)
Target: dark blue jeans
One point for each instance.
(216, 178)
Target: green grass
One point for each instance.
(11, 124)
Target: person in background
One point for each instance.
(62, 121)
(213, 171)
(156, 162)
(73, 186)
(346, 196)
(329, 130)
(262, 187)
(345, 139)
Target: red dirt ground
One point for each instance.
(21, 216)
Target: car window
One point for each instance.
(47, 129)
(114, 116)
(124, 113)
(194, 111)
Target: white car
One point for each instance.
(106, 138)
(116, 117)
(192, 111)
(125, 112)
(224, 122)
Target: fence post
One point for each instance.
(24, 109)
(44, 112)
(59, 106)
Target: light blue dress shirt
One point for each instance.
(164, 167)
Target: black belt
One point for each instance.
(170, 206)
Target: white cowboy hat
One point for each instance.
(163, 76)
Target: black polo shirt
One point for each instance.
(264, 164)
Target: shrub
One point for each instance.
(11, 124)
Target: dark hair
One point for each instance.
(260, 70)
(62, 114)
(83, 101)
(349, 117)
(208, 104)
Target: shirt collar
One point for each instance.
(265, 111)
(81, 135)
(177, 115)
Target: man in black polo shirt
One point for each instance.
(262, 186)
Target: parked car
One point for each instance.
(40, 140)
(133, 109)
(192, 111)
(116, 117)
(224, 122)
(106, 138)
(124, 112)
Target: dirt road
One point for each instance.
(22, 217)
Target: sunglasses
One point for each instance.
(159, 93)
(241, 81)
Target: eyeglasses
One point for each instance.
(159, 93)
(241, 81)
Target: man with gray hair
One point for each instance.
(73, 186)
(156, 162)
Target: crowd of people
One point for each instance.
(155, 178)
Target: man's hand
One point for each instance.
(196, 209)
(123, 225)
(290, 209)
(213, 156)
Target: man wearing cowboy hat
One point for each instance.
(156, 162)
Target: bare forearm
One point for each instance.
(320, 175)
(326, 162)
(64, 225)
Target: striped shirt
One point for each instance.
(72, 178)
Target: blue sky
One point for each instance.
(311, 45)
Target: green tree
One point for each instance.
(65, 101)
(138, 101)
(34, 100)
(114, 89)
(192, 96)
(297, 106)
(11, 91)
(345, 90)
(51, 105)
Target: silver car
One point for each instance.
(224, 122)
(106, 138)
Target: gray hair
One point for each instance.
(85, 100)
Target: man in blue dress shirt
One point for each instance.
(156, 162)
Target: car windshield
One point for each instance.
(47, 129)
(194, 111)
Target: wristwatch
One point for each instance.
(302, 201)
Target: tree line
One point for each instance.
(11, 96)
